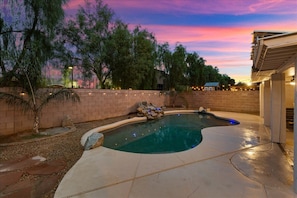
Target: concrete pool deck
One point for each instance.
(231, 161)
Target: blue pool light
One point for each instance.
(233, 122)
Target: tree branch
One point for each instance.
(27, 39)
(11, 31)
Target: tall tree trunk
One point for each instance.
(36, 123)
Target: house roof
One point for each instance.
(212, 84)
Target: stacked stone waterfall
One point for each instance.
(150, 111)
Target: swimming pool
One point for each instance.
(173, 133)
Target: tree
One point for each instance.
(35, 101)
(226, 81)
(84, 39)
(177, 70)
(27, 29)
(144, 58)
(164, 61)
(131, 56)
(211, 74)
(120, 56)
(196, 66)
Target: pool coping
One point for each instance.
(101, 129)
(102, 171)
(128, 121)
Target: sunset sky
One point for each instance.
(220, 31)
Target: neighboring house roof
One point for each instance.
(212, 84)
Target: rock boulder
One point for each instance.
(93, 141)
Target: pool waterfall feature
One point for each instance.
(179, 130)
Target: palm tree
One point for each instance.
(37, 100)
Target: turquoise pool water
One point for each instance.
(172, 133)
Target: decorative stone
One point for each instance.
(201, 110)
(93, 141)
(67, 122)
(149, 110)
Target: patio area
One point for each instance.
(233, 161)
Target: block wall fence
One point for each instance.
(97, 104)
(234, 101)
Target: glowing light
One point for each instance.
(250, 153)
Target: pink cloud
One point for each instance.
(74, 4)
(228, 48)
(237, 7)
(228, 61)
(197, 34)
(236, 37)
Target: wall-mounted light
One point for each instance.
(292, 80)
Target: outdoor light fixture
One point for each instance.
(71, 68)
(292, 81)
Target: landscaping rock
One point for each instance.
(202, 110)
(149, 110)
(67, 122)
(93, 141)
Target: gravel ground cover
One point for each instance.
(64, 148)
